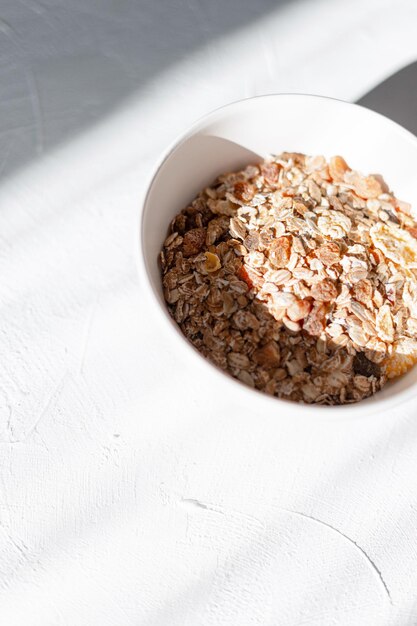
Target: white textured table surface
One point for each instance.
(130, 493)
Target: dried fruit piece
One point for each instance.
(212, 262)
(404, 356)
(193, 241)
(270, 172)
(412, 230)
(243, 275)
(243, 191)
(365, 367)
(337, 168)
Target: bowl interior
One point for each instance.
(247, 131)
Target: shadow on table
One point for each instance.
(396, 97)
(65, 66)
(68, 65)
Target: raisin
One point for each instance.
(365, 367)
(244, 192)
(194, 241)
(270, 172)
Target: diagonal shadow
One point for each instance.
(66, 65)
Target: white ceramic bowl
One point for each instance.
(245, 132)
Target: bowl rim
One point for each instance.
(243, 392)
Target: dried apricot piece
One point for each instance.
(337, 168)
(243, 275)
(404, 356)
(412, 231)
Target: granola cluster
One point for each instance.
(297, 276)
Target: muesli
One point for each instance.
(298, 276)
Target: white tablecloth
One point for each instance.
(131, 494)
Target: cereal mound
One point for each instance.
(297, 276)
